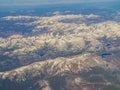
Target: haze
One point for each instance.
(41, 2)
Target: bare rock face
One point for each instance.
(81, 72)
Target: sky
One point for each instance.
(41, 2)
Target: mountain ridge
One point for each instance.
(75, 66)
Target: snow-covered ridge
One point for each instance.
(60, 41)
(58, 66)
(60, 34)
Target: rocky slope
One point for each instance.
(81, 72)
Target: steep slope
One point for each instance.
(81, 72)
